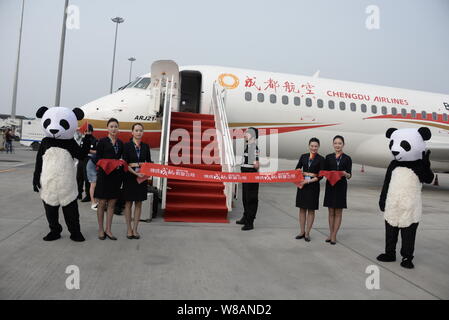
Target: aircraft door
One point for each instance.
(162, 71)
(190, 91)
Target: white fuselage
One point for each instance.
(300, 108)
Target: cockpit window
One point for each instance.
(132, 83)
(143, 83)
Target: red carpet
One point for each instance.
(195, 201)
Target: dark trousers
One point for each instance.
(408, 240)
(250, 197)
(71, 217)
(86, 180)
(81, 177)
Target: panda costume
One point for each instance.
(400, 199)
(55, 170)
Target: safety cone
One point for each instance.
(363, 169)
(436, 183)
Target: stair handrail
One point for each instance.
(225, 142)
(165, 140)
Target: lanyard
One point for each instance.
(137, 152)
(115, 146)
(310, 162)
(338, 161)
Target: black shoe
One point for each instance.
(77, 237)
(80, 196)
(110, 237)
(86, 199)
(333, 242)
(247, 227)
(241, 221)
(307, 239)
(407, 263)
(52, 236)
(299, 236)
(327, 240)
(130, 237)
(384, 257)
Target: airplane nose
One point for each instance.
(54, 131)
(395, 153)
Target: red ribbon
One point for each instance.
(109, 165)
(332, 176)
(181, 173)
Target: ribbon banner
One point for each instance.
(332, 176)
(109, 165)
(182, 173)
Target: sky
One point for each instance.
(410, 49)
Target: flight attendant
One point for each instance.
(107, 189)
(335, 196)
(135, 153)
(250, 191)
(308, 193)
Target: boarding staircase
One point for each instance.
(198, 141)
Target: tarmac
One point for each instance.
(219, 261)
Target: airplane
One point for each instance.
(298, 107)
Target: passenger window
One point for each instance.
(342, 105)
(424, 115)
(273, 98)
(308, 102)
(363, 108)
(374, 108)
(413, 113)
(394, 111)
(284, 99)
(404, 112)
(296, 101)
(260, 97)
(445, 117)
(434, 116)
(353, 106)
(384, 110)
(331, 104)
(319, 103)
(248, 96)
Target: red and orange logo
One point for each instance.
(228, 80)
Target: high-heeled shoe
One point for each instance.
(299, 236)
(307, 239)
(110, 237)
(136, 236)
(103, 237)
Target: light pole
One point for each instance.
(116, 20)
(16, 77)
(132, 59)
(61, 56)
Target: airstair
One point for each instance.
(192, 140)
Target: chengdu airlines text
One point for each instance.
(225, 310)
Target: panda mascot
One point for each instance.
(400, 199)
(55, 171)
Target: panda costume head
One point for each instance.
(408, 144)
(59, 122)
